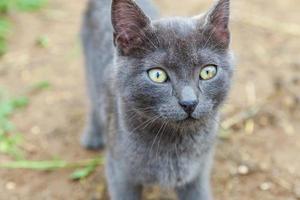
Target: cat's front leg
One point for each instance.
(125, 192)
(92, 137)
(120, 184)
(196, 190)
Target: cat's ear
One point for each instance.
(217, 22)
(129, 23)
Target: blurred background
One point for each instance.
(43, 103)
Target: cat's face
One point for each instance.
(176, 69)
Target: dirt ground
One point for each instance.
(258, 159)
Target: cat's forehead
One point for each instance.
(179, 38)
(175, 26)
(179, 32)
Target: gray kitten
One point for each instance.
(155, 89)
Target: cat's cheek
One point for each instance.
(204, 109)
(216, 90)
(144, 95)
(159, 91)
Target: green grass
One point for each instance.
(39, 86)
(83, 167)
(30, 5)
(21, 5)
(6, 6)
(11, 140)
(5, 29)
(42, 41)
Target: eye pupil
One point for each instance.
(157, 74)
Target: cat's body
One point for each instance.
(97, 38)
(150, 138)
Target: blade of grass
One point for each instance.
(10, 145)
(39, 86)
(50, 165)
(31, 5)
(84, 172)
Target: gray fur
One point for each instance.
(150, 138)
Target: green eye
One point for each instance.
(208, 72)
(158, 75)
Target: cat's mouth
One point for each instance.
(189, 121)
(189, 118)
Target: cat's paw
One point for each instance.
(92, 141)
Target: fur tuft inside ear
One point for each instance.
(218, 21)
(129, 22)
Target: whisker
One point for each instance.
(159, 139)
(154, 140)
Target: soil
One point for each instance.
(259, 157)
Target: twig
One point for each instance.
(249, 113)
(240, 117)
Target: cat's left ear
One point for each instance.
(129, 23)
(217, 22)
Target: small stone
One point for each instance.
(35, 130)
(289, 101)
(265, 186)
(243, 170)
(10, 185)
(264, 121)
(264, 166)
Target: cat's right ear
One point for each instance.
(217, 21)
(129, 23)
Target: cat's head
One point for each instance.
(176, 69)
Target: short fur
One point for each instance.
(150, 139)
